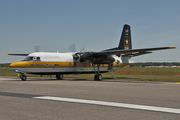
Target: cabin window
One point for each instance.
(38, 59)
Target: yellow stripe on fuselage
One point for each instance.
(27, 64)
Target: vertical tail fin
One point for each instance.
(125, 41)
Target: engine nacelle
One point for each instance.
(94, 59)
(86, 56)
(104, 60)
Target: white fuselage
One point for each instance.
(55, 63)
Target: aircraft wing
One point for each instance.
(19, 54)
(131, 52)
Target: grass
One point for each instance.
(5, 71)
(149, 71)
(146, 78)
(125, 74)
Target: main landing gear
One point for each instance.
(59, 76)
(23, 77)
(97, 76)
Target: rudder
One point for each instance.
(125, 41)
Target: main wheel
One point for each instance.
(98, 77)
(59, 76)
(23, 77)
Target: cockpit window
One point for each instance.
(28, 58)
(32, 58)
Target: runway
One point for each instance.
(40, 98)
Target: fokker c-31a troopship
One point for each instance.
(46, 63)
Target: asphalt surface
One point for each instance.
(18, 99)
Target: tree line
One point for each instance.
(4, 65)
(141, 64)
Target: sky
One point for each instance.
(93, 24)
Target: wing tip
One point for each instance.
(172, 47)
(18, 54)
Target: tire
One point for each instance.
(95, 77)
(23, 77)
(98, 77)
(59, 76)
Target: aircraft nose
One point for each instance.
(19, 64)
(11, 65)
(14, 65)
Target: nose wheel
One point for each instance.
(23, 77)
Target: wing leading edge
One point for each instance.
(131, 52)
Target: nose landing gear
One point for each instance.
(23, 77)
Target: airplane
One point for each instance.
(49, 63)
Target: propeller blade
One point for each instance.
(83, 49)
(37, 48)
(72, 48)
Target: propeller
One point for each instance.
(83, 49)
(37, 48)
(72, 48)
(82, 55)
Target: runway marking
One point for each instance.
(112, 104)
(8, 78)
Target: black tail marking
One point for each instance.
(125, 41)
